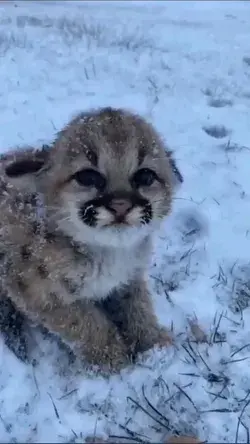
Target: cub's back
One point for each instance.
(30, 258)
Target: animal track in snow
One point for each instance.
(217, 102)
(246, 60)
(216, 131)
(191, 224)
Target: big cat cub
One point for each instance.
(76, 229)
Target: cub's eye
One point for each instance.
(144, 177)
(90, 178)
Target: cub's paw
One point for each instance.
(116, 357)
(154, 337)
(110, 355)
(162, 338)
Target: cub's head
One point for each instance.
(109, 179)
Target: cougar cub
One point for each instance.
(75, 230)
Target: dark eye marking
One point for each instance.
(144, 178)
(90, 178)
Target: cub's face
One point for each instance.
(110, 205)
(108, 179)
(117, 187)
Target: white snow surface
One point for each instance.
(185, 66)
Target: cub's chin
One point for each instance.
(116, 235)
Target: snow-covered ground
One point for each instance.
(186, 67)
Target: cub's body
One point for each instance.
(76, 229)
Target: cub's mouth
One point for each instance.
(116, 210)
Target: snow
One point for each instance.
(185, 66)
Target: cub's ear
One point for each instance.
(23, 168)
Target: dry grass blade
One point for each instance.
(186, 395)
(95, 428)
(189, 353)
(95, 440)
(217, 328)
(240, 349)
(192, 375)
(174, 394)
(132, 434)
(224, 410)
(147, 413)
(240, 417)
(218, 395)
(35, 379)
(154, 408)
(8, 427)
(236, 360)
(67, 394)
(74, 433)
(247, 431)
(191, 348)
(123, 437)
(245, 397)
(55, 409)
(204, 362)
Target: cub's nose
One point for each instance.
(120, 206)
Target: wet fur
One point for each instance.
(86, 283)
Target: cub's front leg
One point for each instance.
(132, 311)
(80, 324)
(91, 334)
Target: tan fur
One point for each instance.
(86, 283)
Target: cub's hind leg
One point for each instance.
(14, 328)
